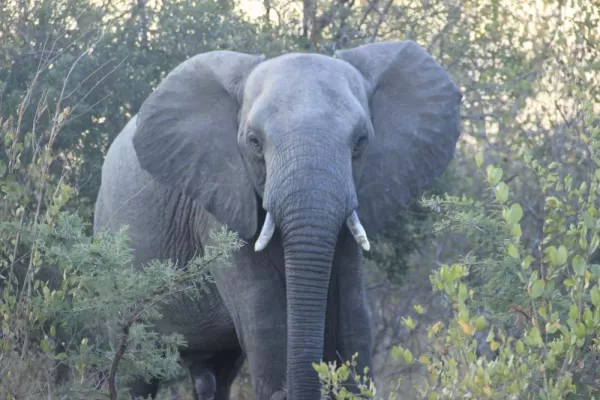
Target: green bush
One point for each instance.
(541, 302)
(66, 326)
(59, 286)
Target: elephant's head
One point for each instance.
(316, 141)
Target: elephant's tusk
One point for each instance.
(265, 234)
(358, 231)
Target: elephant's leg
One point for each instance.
(142, 388)
(354, 320)
(203, 381)
(227, 366)
(213, 375)
(254, 293)
(279, 396)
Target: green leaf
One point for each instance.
(535, 337)
(552, 255)
(524, 369)
(462, 292)
(526, 262)
(573, 312)
(542, 312)
(519, 347)
(491, 335)
(343, 373)
(553, 202)
(579, 265)
(512, 251)
(568, 182)
(479, 158)
(588, 318)
(502, 192)
(321, 368)
(580, 331)
(409, 322)
(537, 288)
(552, 328)
(44, 346)
(588, 220)
(516, 231)
(569, 282)
(561, 255)
(494, 174)
(594, 243)
(583, 243)
(515, 213)
(480, 323)
(343, 394)
(595, 296)
(408, 357)
(397, 352)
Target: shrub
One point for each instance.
(536, 304)
(60, 286)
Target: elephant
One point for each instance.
(304, 156)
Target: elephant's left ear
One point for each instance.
(414, 108)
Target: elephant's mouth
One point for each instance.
(352, 222)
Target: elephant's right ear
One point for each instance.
(186, 136)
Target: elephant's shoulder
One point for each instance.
(205, 225)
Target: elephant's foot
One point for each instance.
(281, 395)
(213, 374)
(205, 384)
(143, 389)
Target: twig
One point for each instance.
(382, 16)
(112, 385)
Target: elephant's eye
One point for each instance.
(359, 144)
(255, 143)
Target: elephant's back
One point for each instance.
(127, 192)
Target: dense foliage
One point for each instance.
(508, 236)
(540, 316)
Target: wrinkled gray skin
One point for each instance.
(227, 137)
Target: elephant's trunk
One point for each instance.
(310, 217)
(309, 194)
(309, 242)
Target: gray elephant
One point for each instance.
(288, 152)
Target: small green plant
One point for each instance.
(344, 382)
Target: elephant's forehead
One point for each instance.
(310, 82)
(299, 73)
(304, 63)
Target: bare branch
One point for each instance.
(382, 16)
